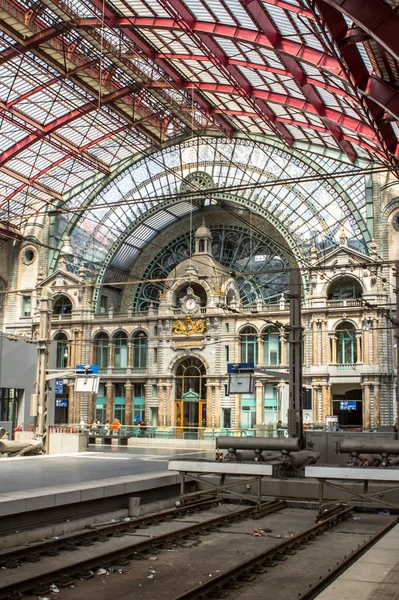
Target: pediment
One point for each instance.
(344, 256)
(60, 280)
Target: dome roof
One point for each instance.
(203, 231)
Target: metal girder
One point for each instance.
(110, 18)
(314, 57)
(300, 104)
(375, 17)
(246, 64)
(218, 57)
(261, 18)
(338, 27)
(23, 46)
(51, 127)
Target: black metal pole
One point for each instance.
(295, 421)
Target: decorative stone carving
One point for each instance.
(189, 327)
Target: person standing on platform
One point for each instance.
(115, 426)
(279, 428)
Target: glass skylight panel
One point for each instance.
(281, 20)
(160, 220)
(199, 11)
(240, 14)
(138, 7)
(220, 12)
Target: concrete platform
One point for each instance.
(375, 576)
(43, 482)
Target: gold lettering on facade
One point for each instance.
(189, 327)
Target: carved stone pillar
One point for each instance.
(315, 343)
(376, 405)
(71, 403)
(129, 355)
(323, 342)
(283, 349)
(128, 403)
(358, 348)
(366, 406)
(259, 394)
(168, 404)
(109, 408)
(238, 350)
(333, 341)
(209, 405)
(92, 407)
(315, 404)
(80, 346)
(325, 399)
(111, 355)
(375, 342)
(217, 406)
(259, 360)
(162, 404)
(69, 363)
(92, 354)
(366, 347)
(238, 410)
(78, 398)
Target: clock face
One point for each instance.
(190, 304)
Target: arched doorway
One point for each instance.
(190, 402)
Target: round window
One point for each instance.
(28, 256)
(395, 221)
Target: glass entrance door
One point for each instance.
(189, 417)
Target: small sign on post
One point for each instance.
(241, 378)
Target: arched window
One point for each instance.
(101, 353)
(346, 343)
(62, 351)
(190, 376)
(62, 306)
(271, 346)
(140, 346)
(248, 345)
(345, 288)
(120, 356)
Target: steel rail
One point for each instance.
(320, 585)
(61, 576)
(13, 557)
(259, 561)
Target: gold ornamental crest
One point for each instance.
(189, 327)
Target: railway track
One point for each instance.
(61, 568)
(263, 566)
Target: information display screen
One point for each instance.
(347, 405)
(62, 402)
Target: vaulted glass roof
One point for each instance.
(88, 87)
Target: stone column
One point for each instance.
(71, 403)
(259, 348)
(323, 342)
(333, 349)
(80, 347)
(259, 394)
(217, 406)
(109, 409)
(69, 362)
(209, 405)
(168, 404)
(111, 355)
(238, 350)
(366, 347)
(366, 406)
(238, 410)
(78, 398)
(92, 354)
(315, 404)
(128, 403)
(358, 348)
(375, 342)
(92, 407)
(376, 404)
(162, 405)
(283, 346)
(315, 344)
(129, 355)
(325, 399)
